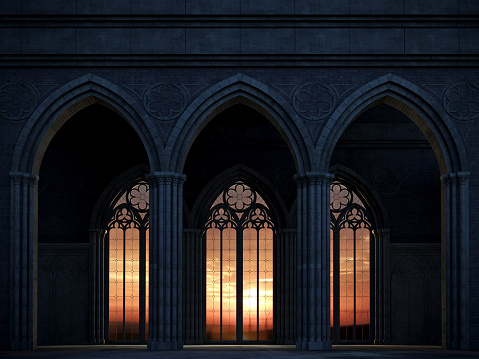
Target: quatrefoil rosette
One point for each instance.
(314, 101)
(17, 101)
(461, 101)
(165, 101)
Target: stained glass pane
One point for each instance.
(147, 282)
(228, 295)
(250, 284)
(351, 227)
(239, 213)
(116, 284)
(265, 310)
(362, 284)
(126, 245)
(213, 284)
(331, 284)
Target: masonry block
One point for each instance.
(469, 7)
(267, 41)
(48, 41)
(160, 8)
(158, 41)
(469, 41)
(36, 7)
(267, 7)
(10, 7)
(322, 41)
(212, 41)
(103, 41)
(377, 41)
(412, 7)
(321, 7)
(97, 7)
(432, 41)
(207, 7)
(10, 41)
(366, 7)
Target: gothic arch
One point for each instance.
(30, 148)
(111, 193)
(441, 132)
(238, 89)
(379, 248)
(251, 177)
(69, 99)
(366, 191)
(448, 146)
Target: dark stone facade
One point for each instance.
(382, 94)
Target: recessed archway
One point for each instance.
(240, 89)
(38, 132)
(239, 144)
(444, 139)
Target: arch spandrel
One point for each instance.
(66, 101)
(443, 134)
(245, 90)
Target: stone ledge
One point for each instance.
(238, 60)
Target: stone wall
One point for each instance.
(163, 65)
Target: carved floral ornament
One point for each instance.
(461, 101)
(314, 101)
(17, 101)
(165, 101)
(386, 182)
(239, 196)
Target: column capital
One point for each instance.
(314, 178)
(193, 231)
(450, 179)
(28, 178)
(165, 177)
(382, 231)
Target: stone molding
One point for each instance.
(22, 262)
(166, 261)
(312, 261)
(455, 259)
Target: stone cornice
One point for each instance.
(236, 60)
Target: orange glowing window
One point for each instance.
(239, 267)
(350, 266)
(128, 266)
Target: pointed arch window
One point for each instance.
(239, 267)
(350, 266)
(128, 232)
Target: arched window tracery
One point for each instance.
(239, 267)
(350, 266)
(128, 262)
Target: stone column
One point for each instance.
(313, 256)
(194, 287)
(23, 252)
(97, 241)
(382, 287)
(455, 260)
(166, 227)
(285, 286)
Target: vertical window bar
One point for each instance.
(257, 283)
(221, 284)
(124, 280)
(354, 281)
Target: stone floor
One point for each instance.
(240, 352)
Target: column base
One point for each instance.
(313, 345)
(22, 345)
(161, 346)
